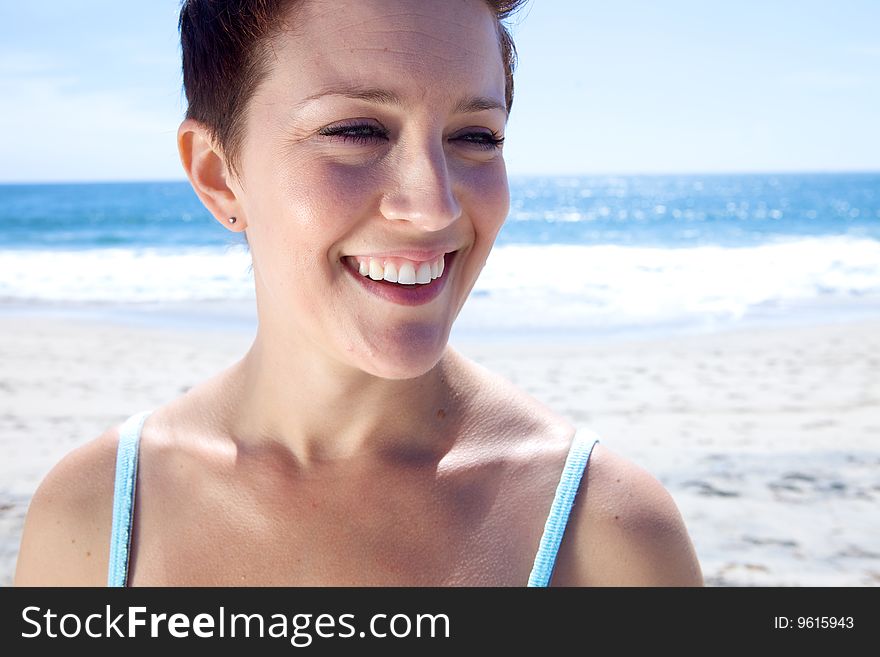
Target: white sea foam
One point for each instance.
(126, 275)
(553, 286)
(607, 286)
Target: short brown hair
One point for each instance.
(224, 59)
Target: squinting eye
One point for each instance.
(485, 140)
(359, 133)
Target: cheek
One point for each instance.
(488, 197)
(300, 211)
(325, 199)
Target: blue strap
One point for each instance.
(575, 465)
(123, 498)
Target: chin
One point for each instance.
(407, 352)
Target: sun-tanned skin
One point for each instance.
(352, 445)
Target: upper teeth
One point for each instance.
(400, 270)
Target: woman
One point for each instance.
(359, 145)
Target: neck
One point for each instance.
(322, 410)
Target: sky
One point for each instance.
(91, 90)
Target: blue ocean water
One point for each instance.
(601, 253)
(658, 211)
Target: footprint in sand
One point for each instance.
(824, 423)
(706, 489)
(781, 542)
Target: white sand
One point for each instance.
(769, 440)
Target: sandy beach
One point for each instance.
(768, 439)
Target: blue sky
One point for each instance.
(91, 89)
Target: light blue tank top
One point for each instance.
(126, 478)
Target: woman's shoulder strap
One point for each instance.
(123, 498)
(575, 466)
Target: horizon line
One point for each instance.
(608, 174)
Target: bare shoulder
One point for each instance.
(65, 541)
(625, 530)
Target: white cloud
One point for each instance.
(14, 63)
(869, 50)
(54, 130)
(828, 79)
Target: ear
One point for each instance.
(209, 174)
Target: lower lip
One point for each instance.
(415, 295)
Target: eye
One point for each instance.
(357, 133)
(484, 140)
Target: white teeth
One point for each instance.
(390, 272)
(407, 274)
(424, 275)
(442, 266)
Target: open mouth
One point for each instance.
(407, 294)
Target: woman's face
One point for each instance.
(371, 146)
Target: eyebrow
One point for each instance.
(385, 97)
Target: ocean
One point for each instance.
(589, 256)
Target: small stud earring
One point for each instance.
(232, 220)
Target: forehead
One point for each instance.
(414, 48)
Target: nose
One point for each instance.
(422, 190)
